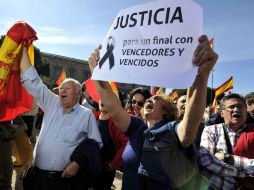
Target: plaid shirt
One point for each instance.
(221, 174)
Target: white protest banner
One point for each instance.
(152, 44)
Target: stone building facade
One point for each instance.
(75, 68)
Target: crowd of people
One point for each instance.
(157, 143)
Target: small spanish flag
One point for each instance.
(160, 91)
(61, 78)
(224, 87)
(229, 84)
(91, 90)
(211, 42)
(14, 99)
(173, 95)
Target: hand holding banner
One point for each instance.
(152, 44)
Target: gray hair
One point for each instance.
(76, 83)
(233, 95)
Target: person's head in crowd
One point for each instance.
(69, 92)
(55, 90)
(233, 109)
(180, 104)
(122, 98)
(160, 108)
(249, 98)
(137, 99)
(208, 112)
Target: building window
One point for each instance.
(86, 75)
(72, 72)
(56, 71)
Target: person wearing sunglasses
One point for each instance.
(137, 99)
(143, 161)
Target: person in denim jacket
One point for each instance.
(160, 114)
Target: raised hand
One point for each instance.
(94, 58)
(204, 56)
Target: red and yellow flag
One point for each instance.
(61, 78)
(173, 95)
(160, 91)
(14, 100)
(211, 42)
(91, 89)
(224, 87)
(229, 84)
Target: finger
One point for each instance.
(203, 41)
(95, 57)
(97, 54)
(205, 56)
(201, 55)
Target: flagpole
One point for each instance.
(211, 42)
(212, 87)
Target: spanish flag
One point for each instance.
(211, 42)
(173, 95)
(14, 100)
(61, 78)
(224, 87)
(229, 84)
(160, 91)
(91, 89)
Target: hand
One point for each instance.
(220, 155)
(204, 56)
(94, 58)
(70, 170)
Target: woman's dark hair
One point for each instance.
(140, 90)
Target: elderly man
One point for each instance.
(180, 104)
(66, 124)
(227, 149)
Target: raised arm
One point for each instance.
(121, 118)
(205, 58)
(25, 61)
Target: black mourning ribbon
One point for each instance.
(109, 54)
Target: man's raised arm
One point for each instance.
(25, 63)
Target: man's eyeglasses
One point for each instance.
(232, 107)
(141, 104)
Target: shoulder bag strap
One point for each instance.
(228, 144)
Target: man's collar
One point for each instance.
(240, 130)
(75, 108)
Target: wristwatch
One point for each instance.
(228, 158)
